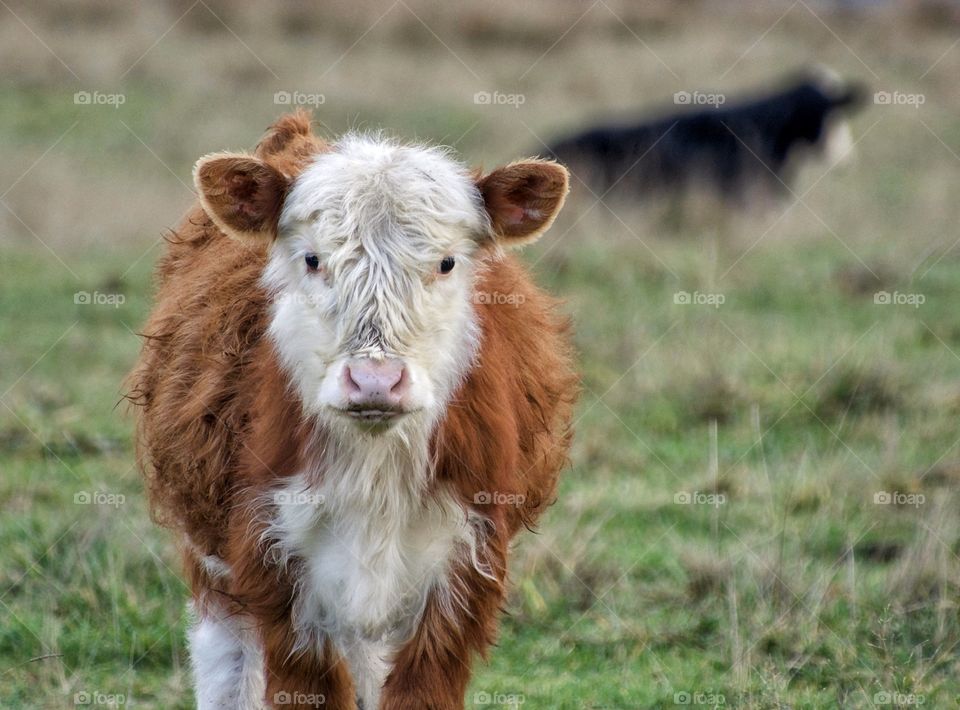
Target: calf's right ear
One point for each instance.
(522, 199)
(241, 194)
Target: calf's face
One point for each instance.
(374, 250)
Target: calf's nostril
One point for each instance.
(399, 385)
(350, 383)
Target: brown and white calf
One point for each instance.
(351, 397)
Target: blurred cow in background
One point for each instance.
(737, 151)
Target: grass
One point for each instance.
(794, 405)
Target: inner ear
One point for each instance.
(243, 195)
(522, 199)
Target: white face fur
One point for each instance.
(356, 272)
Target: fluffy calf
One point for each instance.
(351, 397)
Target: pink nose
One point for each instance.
(375, 384)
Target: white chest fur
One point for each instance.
(370, 546)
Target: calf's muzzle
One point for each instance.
(375, 387)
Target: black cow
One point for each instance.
(732, 149)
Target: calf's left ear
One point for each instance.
(523, 198)
(241, 194)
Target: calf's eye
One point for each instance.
(312, 261)
(447, 264)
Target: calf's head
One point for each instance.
(374, 251)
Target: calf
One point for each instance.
(351, 397)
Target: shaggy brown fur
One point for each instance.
(218, 424)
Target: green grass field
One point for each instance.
(762, 508)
